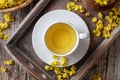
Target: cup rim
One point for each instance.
(77, 38)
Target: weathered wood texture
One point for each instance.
(15, 72)
(108, 66)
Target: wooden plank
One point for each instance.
(23, 36)
(113, 63)
(27, 65)
(117, 58)
(97, 54)
(39, 6)
(27, 20)
(108, 65)
(15, 72)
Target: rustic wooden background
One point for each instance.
(108, 65)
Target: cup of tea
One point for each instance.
(61, 38)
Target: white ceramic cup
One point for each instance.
(79, 36)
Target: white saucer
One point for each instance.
(59, 15)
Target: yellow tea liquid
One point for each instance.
(60, 38)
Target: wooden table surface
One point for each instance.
(108, 66)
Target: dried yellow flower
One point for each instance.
(55, 57)
(108, 27)
(64, 58)
(116, 11)
(8, 62)
(62, 73)
(10, 3)
(57, 70)
(3, 25)
(73, 68)
(111, 13)
(102, 2)
(94, 19)
(55, 63)
(65, 76)
(100, 15)
(65, 70)
(3, 69)
(107, 17)
(71, 73)
(112, 19)
(99, 24)
(59, 77)
(8, 17)
(70, 5)
(87, 14)
(76, 7)
(97, 32)
(48, 68)
(64, 61)
(81, 9)
(96, 77)
(5, 37)
(80, 6)
(106, 34)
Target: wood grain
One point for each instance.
(18, 72)
(15, 72)
(97, 7)
(103, 66)
(109, 64)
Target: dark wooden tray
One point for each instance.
(20, 47)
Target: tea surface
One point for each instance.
(60, 38)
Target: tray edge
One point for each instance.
(94, 57)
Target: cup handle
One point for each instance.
(83, 35)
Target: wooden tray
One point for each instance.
(20, 44)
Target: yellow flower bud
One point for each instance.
(94, 19)
(8, 62)
(87, 14)
(48, 68)
(100, 15)
(55, 63)
(65, 76)
(5, 37)
(8, 18)
(3, 69)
